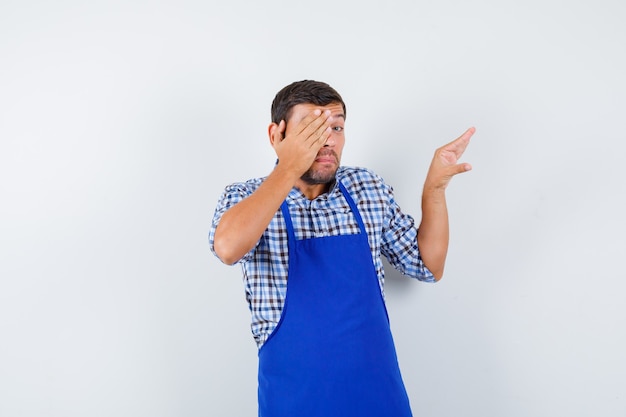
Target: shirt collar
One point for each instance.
(296, 195)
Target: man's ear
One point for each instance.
(276, 131)
(271, 129)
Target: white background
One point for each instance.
(122, 121)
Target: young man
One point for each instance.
(309, 238)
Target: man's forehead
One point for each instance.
(300, 111)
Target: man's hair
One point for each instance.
(299, 92)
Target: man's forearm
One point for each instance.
(433, 236)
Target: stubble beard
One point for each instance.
(313, 177)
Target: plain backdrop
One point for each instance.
(122, 121)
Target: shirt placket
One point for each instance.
(319, 217)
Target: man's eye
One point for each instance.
(338, 128)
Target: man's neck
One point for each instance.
(312, 191)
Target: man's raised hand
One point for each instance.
(298, 147)
(445, 163)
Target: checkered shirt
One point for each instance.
(391, 233)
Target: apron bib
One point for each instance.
(332, 353)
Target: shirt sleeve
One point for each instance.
(232, 195)
(399, 242)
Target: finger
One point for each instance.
(459, 145)
(317, 127)
(459, 169)
(322, 133)
(309, 123)
(462, 141)
(451, 172)
(320, 141)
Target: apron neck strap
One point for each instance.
(355, 211)
(352, 205)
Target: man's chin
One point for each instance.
(313, 177)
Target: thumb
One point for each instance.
(456, 169)
(460, 168)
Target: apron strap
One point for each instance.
(291, 241)
(284, 207)
(352, 205)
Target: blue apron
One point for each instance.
(332, 353)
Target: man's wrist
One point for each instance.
(433, 194)
(285, 172)
(434, 188)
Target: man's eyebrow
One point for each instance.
(343, 116)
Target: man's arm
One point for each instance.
(242, 225)
(433, 235)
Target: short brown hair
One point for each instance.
(299, 92)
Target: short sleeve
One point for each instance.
(232, 195)
(399, 242)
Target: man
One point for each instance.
(309, 237)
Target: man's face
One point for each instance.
(325, 166)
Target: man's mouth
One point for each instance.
(328, 157)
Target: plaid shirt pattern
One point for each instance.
(391, 233)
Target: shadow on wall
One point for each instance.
(397, 286)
